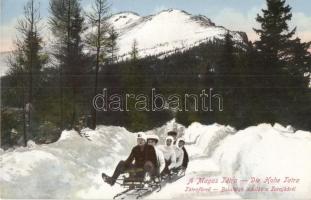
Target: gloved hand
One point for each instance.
(182, 170)
(149, 167)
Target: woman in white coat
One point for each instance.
(169, 155)
(179, 154)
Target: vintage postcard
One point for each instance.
(161, 99)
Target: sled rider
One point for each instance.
(182, 142)
(173, 134)
(169, 155)
(144, 157)
(181, 145)
(179, 153)
(153, 141)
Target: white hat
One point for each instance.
(153, 137)
(142, 136)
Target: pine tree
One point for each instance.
(134, 82)
(272, 48)
(66, 24)
(274, 33)
(112, 44)
(282, 62)
(298, 65)
(26, 64)
(134, 51)
(227, 64)
(98, 41)
(299, 61)
(226, 79)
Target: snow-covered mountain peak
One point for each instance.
(184, 14)
(123, 19)
(175, 14)
(173, 11)
(203, 20)
(165, 32)
(160, 34)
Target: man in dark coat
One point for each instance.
(144, 158)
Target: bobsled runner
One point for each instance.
(143, 185)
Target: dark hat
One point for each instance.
(172, 133)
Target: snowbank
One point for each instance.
(208, 137)
(65, 168)
(260, 151)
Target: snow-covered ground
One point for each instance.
(72, 166)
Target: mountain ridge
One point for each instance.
(160, 34)
(166, 31)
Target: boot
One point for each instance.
(119, 169)
(108, 179)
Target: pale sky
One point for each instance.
(232, 14)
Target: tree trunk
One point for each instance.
(29, 129)
(94, 113)
(24, 120)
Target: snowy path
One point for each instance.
(198, 167)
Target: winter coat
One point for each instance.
(141, 155)
(169, 154)
(160, 159)
(179, 156)
(186, 158)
